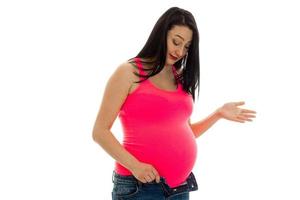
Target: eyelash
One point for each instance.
(178, 44)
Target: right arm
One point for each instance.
(115, 94)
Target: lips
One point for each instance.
(173, 57)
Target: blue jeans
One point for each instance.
(130, 188)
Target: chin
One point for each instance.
(170, 62)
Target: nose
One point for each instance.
(179, 52)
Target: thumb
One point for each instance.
(239, 103)
(157, 178)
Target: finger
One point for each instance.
(245, 115)
(238, 120)
(241, 117)
(148, 178)
(156, 174)
(239, 103)
(244, 118)
(152, 176)
(143, 180)
(248, 111)
(157, 179)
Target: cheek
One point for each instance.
(170, 47)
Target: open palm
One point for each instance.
(232, 112)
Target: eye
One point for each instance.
(174, 42)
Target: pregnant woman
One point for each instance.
(153, 95)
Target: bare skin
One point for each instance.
(178, 41)
(231, 111)
(121, 84)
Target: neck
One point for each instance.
(167, 69)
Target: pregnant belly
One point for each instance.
(173, 154)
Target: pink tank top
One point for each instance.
(156, 130)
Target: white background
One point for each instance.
(56, 57)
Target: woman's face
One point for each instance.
(178, 41)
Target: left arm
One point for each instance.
(228, 111)
(200, 127)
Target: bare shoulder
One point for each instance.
(127, 70)
(115, 94)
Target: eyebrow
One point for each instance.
(180, 37)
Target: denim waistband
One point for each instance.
(130, 178)
(189, 185)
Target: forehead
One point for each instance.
(182, 31)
